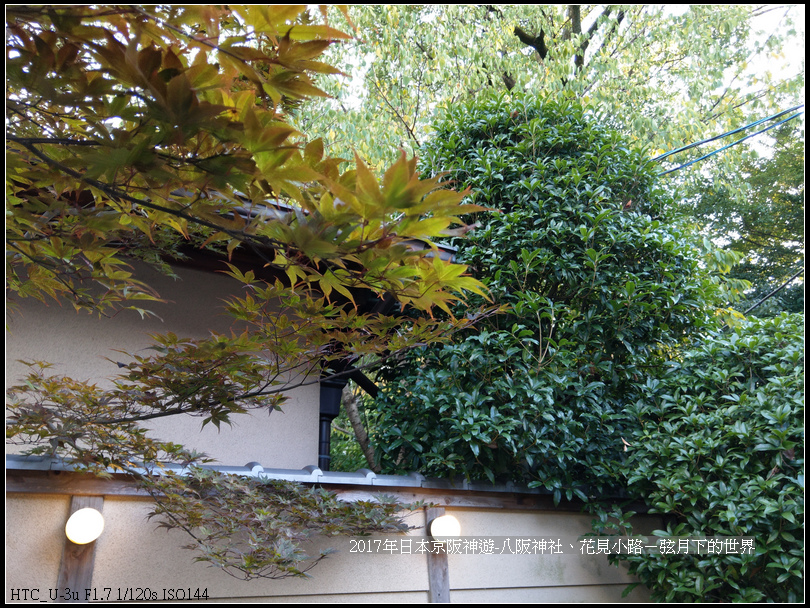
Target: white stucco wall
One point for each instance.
(78, 345)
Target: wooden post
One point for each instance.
(438, 572)
(76, 569)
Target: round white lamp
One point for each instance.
(84, 526)
(444, 527)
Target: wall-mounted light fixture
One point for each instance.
(84, 526)
(443, 527)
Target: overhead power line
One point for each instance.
(775, 291)
(727, 134)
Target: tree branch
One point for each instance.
(595, 26)
(426, 51)
(575, 16)
(538, 43)
(396, 113)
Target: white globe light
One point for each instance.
(445, 526)
(84, 526)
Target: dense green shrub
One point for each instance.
(719, 449)
(608, 374)
(599, 284)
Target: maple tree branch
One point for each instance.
(191, 37)
(116, 194)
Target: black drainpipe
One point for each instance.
(332, 389)
(331, 392)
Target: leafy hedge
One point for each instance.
(598, 282)
(719, 449)
(608, 374)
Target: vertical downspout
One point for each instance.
(331, 392)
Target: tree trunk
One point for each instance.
(350, 402)
(575, 16)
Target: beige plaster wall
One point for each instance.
(133, 554)
(78, 345)
(154, 558)
(511, 576)
(35, 535)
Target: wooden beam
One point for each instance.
(438, 571)
(76, 569)
(67, 482)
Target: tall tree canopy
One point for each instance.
(662, 76)
(766, 227)
(152, 132)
